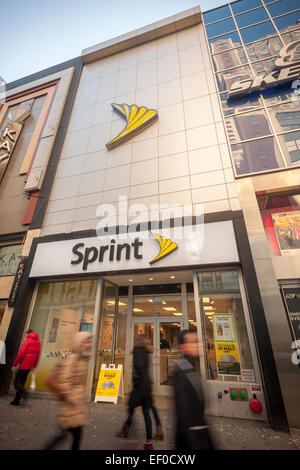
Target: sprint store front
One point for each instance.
(154, 283)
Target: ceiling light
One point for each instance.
(172, 277)
(206, 300)
(177, 314)
(170, 309)
(208, 307)
(137, 310)
(130, 280)
(151, 300)
(150, 278)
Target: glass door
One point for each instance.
(161, 334)
(109, 309)
(167, 354)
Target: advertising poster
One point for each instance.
(224, 329)
(292, 302)
(287, 228)
(109, 384)
(228, 359)
(227, 352)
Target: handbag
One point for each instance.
(52, 381)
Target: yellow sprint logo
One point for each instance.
(137, 118)
(166, 247)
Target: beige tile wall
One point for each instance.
(181, 158)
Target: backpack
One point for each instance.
(52, 381)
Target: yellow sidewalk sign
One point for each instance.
(110, 383)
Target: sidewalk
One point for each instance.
(29, 426)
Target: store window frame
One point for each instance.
(96, 322)
(248, 322)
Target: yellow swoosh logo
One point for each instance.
(137, 118)
(166, 247)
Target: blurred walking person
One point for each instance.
(141, 394)
(27, 359)
(73, 411)
(191, 428)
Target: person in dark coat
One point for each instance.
(141, 394)
(27, 359)
(191, 428)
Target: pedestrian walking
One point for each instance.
(72, 378)
(159, 435)
(141, 394)
(192, 431)
(27, 359)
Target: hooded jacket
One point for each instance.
(72, 383)
(29, 353)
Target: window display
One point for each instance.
(280, 214)
(227, 347)
(292, 303)
(9, 259)
(287, 229)
(61, 310)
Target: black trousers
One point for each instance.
(156, 415)
(147, 418)
(76, 433)
(19, 383)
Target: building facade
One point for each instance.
(148, 123)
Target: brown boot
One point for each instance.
(124, 431)
(159, 433)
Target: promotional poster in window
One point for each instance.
(287, 229)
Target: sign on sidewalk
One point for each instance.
(110, 384)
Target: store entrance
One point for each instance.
(161, 334)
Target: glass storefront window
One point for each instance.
(193, 322)
(227, 78)
(229, 59)
(287, 20)
(217, 14)
(263, 49)
(107, 327)
(226, 343)
(285, 117)
(282, 7)
(252, 17)
(9, 259)
(120, 343)
(247, 126)
(291, 147)
(223, 43)
(292, 302)
(280, 214)
(258, 31)
(256, 156)
(244, 5)
(61, 309)
(221, 27)
(241, 105)
(157, 306)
